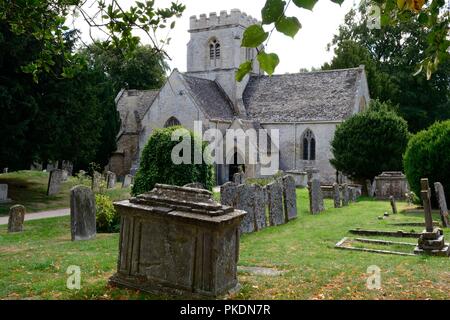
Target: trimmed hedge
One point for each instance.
(370, 143)
(157, 167)
(428, 156)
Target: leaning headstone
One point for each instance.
(110, 180)
(228, 194)
(96, 181)
(4, 193)
(393, 204)
(316, 197)
(54, 182)
(440, 194)
(246, 202)
(275, 201)
(345, 195)
(290, 197)
(369, 188)
(16, 218)
(82, 213)
(259, 197)
(65, 175)
(195, 185)
(337, 195)
(127, 181)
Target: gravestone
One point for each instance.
(431, 241)
(345, 195)
(316, 197)
(54, 182)
(350, 194)
(195, 185)
(337, 195)
(4, 194)
(393, 204)
(110, 180)
(239, 178)
(369, 188)
(127, 181)
(68, 166)
(228, 194)
(275, 202)
(289, 197)
(246, 202)
(65, 175)
(5, 170)
(82, 213)
(355, 194)
(443, 209)
(16, 218)
(260, 207)
(96, 181)
(178, 241)
(391, 184)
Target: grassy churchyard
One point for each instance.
(34, 263)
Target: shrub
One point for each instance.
(157, 167)
(428, 156)
(108, 221)
(370, 142)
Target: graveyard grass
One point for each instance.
(29, 188)
(34, 263)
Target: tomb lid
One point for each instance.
(190, 200)
(398, 174)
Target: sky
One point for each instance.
(307, 50)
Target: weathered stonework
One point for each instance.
(391, 184)
(127, 181)
(246, 202)
(259, 197)
(316, 197)
(16, 218)
(393, 204)
(195, 185)
(345, 195)
(228, 194)
(300, 177)
(178, 241)
(96, 181)
(82, 213)
(337, 195)
(54, 182)
(4, 193)
(111, 180)
(443, 209)
(275, 201)
(289, 197)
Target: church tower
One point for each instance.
(215, 53)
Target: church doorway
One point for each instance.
(235, 167)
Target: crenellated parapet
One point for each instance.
(235, 17)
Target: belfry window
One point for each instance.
(214, 52)
(309, 146)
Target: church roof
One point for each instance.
(210, 97)
(312, 96)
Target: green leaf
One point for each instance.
(268, 62)
(272, 11)
(254, 36)
(243, 70)
(307, 4)
(339, 2)
(288, 26)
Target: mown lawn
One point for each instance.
(33, 264)
(29, 188)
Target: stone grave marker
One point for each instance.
(443, 209)
(82, 213)
(111, 180)
(260, 207)
(289, 197)
(336, 195)
(16, 218)
(195, 185)
(228, 194)
(4, 194)
(369, 188)
(5, 170)
(65, 175)
(246, 202)
(345, 195)
(316, 197)
(275, 201)
(178, 241)
(127, 181)
(54, 182)
(393, 204)
(96, 181)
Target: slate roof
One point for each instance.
(312, 96)
(210, 97)
(145, 101)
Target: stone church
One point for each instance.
(305, 107)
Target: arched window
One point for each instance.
(172, 122)
(214, 52)
(309, 145)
